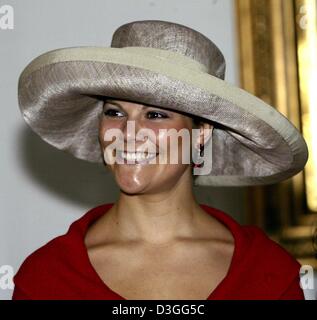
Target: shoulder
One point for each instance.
(272, 270)
(54, 262)
(37, 268)
(268, 251)
(261, 267)
(255, 244)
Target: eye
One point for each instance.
(155, 115)
(111, 112)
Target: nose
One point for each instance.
(130, 129)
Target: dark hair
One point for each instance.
(196, 121)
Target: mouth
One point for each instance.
(135, 157)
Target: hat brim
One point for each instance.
(59, 97)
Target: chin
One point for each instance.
(131, 190)
(146, 180)
(127, 184)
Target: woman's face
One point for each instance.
(145, 177)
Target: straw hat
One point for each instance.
(166, 65)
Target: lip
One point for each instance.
(134, 162)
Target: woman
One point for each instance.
(156, 241)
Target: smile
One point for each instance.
(139, 157)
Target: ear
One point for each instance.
(205, 133)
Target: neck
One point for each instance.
(158, 218)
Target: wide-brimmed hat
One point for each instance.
(168, 65)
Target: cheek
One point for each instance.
(105, 125)
(164, 139)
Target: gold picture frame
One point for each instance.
(277, 39)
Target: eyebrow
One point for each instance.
(119, 105)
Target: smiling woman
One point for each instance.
(156, 241)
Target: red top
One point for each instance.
(260, 268)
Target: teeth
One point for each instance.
(136, 156)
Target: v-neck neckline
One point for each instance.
(225, 219)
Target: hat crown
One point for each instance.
(174, 37)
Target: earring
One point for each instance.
(201, 153)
